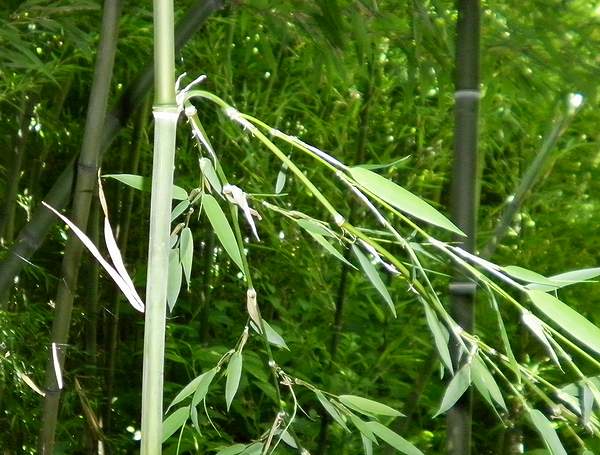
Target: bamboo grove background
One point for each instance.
(370, 82)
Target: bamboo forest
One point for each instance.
(314, 227)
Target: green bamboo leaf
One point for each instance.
(440, 337)
(222, 228)
(393, 439)
(330, 248)
(375, 167)
(179, 209)
(186, 251)
(203, 385)
(232, 450)
(457, 387)
(187, 390)
(401, 199)
(174, 278)
(535, 325)
(486, 384)
(195, 422)
(253, 449)
(209, 173)
(314, 227)
(363, 428)
(546, 432)
(234, 373)
(367, 445)
(331, 410)
(368, 407)
(145, 184)
(567, 318)
(287, 438)
(272, 336)
(526, 275)
(568, 278)
(175, 421)
(374, 278)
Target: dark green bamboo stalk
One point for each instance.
(84, 188)
(33, 233)
(464, 207)
(165, 112)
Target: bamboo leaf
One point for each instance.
(173, 278)
(535, 325)
(374, 278)
(526, 275)
(232, 450)
(440, 337)
(253, 449)
(145, 184)
(486, 384)
(222, 228)
(195, 422)
(368, 407)
(133, 298)
(330, 248)
(174, 422)
(393, 439)
(203, 385)
(546, 432)
(567, 318)
(209, 173)
(281, 178)
(375, 167)
(272, 336)
(288, 439)
(363, 428)
(186, 251)
(314, 227)
(568, 278)
(402, 199)
(185, 392)
(331, 410)
(234, 373)
(457, 387)
(179, 209)
(367, 445)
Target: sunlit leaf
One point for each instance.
(367, 445)
(535, 325)
(567, 319)
(175, 421)
(401, 199)
(374, 278)
(568, 278)
(174, 278)
(526, 275)
(331, 410)
(393, 439)
(368, 407)
(186, 251)
(546, 432)
(440, 337)
(203, 385)
(486, 384)
(222, 228)
(145, 184)
(456, 389)
(234, 373)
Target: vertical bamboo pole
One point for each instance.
(165, 122)
(464, 206)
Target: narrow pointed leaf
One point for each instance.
(440, 336)
(402, 199)
(186, 391)
(280, 183)
(133, 297)
(526, 275)
(535, 325)
(330, 248)
(569, 320)
(393, 439)
(546, 432)
(375, 167)
(234, 373)
(486, 384)
(222, 228)
(174, 278)
(232, 450)
(195, 422)
(145, 184)
(186, 250)
(457, 387)
(363, 428)
(179, 209)
(203, 385)
(368, 407)
(367, 445)
(374, 278)
(272, 336)
(568, 278)
(314, 227)
(331, 410)
(209, 173)
(175, 421)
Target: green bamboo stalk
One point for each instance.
(165, 112)
(33, 233)
(464, 207)
(84, 187)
